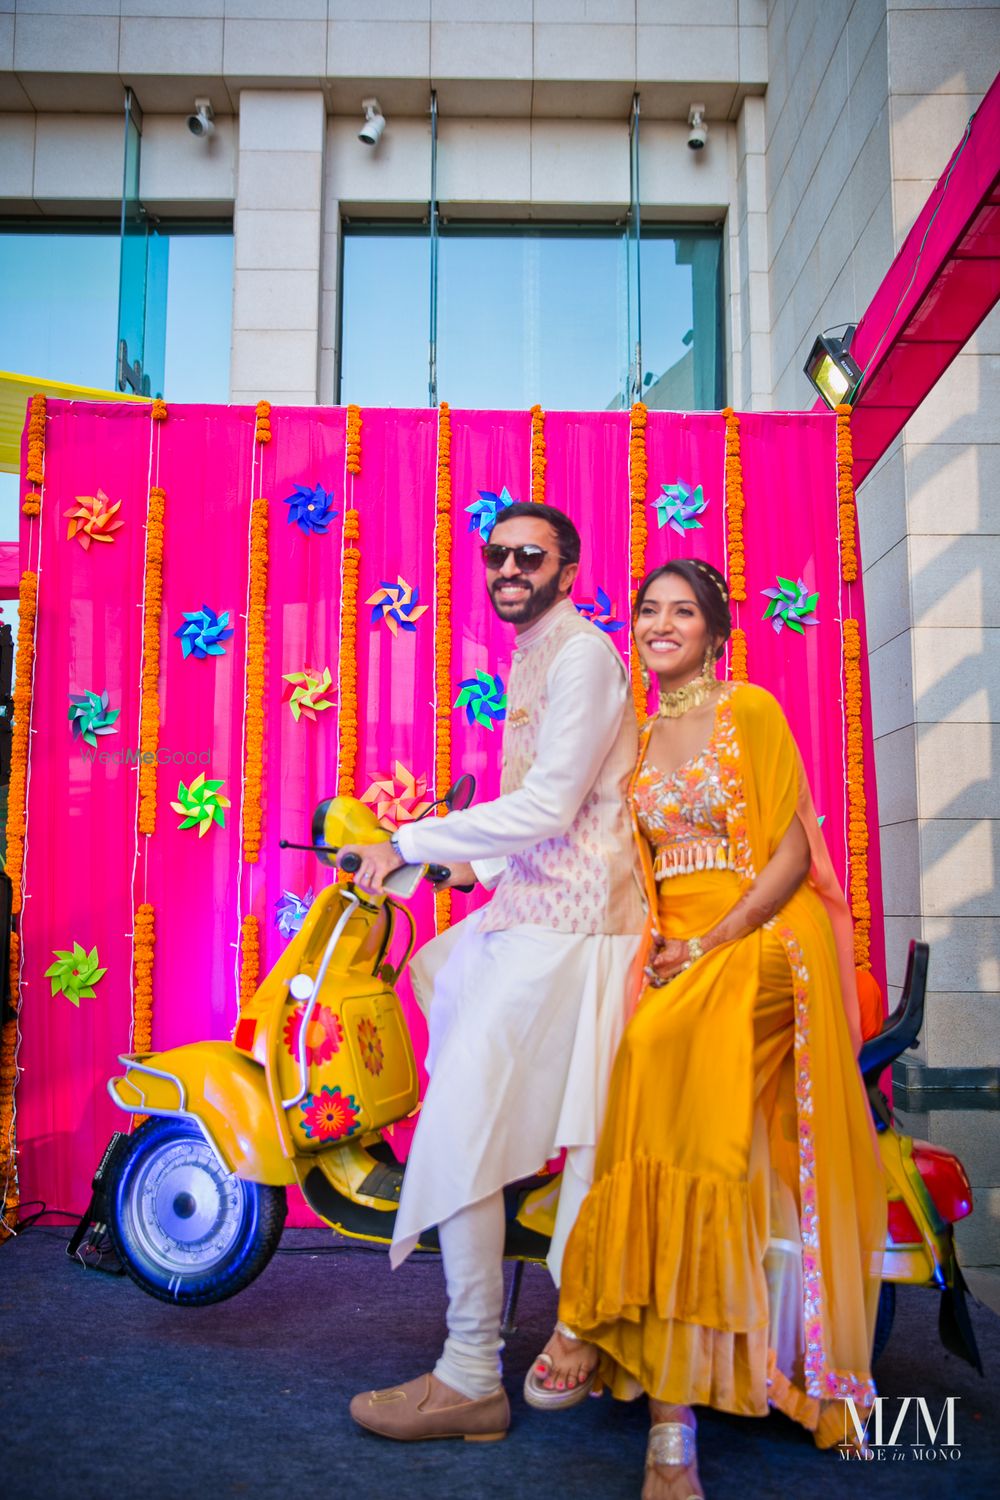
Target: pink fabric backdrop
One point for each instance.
(86, 867)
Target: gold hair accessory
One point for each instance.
(709, 573)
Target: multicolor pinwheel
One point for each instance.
(74, 973)
(483, 698)
(306, 694)
(601, 611)
(395, 604)
(204, 632)
(792, 605)
(399, 798)
(202, 802)
(90, 716)
(92, 519)
(290, 911)
(486, 509)
(311, 510)
(679, 507)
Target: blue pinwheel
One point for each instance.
(290, 911)
(483, 698)
(311, 510)
(680, 506)
(396, 605)
(90, 716)
(791, 604)
(204, 632)
(485, 511)
(601, 612)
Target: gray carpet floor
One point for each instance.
(110, 1395)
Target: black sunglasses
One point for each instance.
(528, 558)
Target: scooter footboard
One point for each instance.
(219, 1090)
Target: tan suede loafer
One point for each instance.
(400, 1413)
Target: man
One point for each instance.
(530, 994)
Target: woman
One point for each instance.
(727, 1254)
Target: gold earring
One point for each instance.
(708, 670)
(644, 675)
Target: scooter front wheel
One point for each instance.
(186, 1230)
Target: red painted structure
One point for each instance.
(938, 290)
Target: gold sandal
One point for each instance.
(536, 1394)
(672, 1445)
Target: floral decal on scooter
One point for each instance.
(371, 1047)
(323, 1038)
(329, 1115)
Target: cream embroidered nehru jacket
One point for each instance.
(560, 822)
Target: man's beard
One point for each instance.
(534, 604)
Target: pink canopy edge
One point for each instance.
(10, 569)
(938, 290)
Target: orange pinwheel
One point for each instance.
(92, 519)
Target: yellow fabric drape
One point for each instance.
(737, 1118)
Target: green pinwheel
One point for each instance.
(90, 716)
(791, 604)
(307, 694)
(74, 973)
(483, 699)
(202, 802)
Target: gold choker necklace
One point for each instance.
(683, 699)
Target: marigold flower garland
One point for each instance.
(738, 655)
(253, 765)
(538, 458)
(262, 425)
(249, 959)
(354, 440)
(442, 635)
(845, 497)
(857, 819)
(149, 698)
(638, 536)
(347, 667)
(17, 790)
(8, 1078)
(36, 455)
(735, 555)
(159, 412)
(143, 944)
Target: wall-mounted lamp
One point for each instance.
(371, 130)
(202, 122)
(831, 369)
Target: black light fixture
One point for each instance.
(831, 369)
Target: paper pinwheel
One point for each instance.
(306, 695)
(311, 510)
(792, 605)
(204, 632)
(201, 803)
(290, 911)
(483, 699)
(397, 798)
(90, 716)
(601, 611)
(486, 509)
(74, 973)
(679, 506)
(92, 519)
(395, 604)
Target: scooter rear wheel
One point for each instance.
(185, 1230)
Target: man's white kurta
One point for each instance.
(525, 1021)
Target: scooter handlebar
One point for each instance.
(351, 863)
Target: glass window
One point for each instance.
(385, 315)
(59, 306)
(529, 313)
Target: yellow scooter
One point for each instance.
(320, 1063)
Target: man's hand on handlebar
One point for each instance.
(377, 861)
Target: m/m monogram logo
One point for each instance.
(913, 1432)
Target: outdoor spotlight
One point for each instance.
(831, 369)
(202, 122)
(698, 134)
(371, 130)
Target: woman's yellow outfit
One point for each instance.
(729, 1252)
